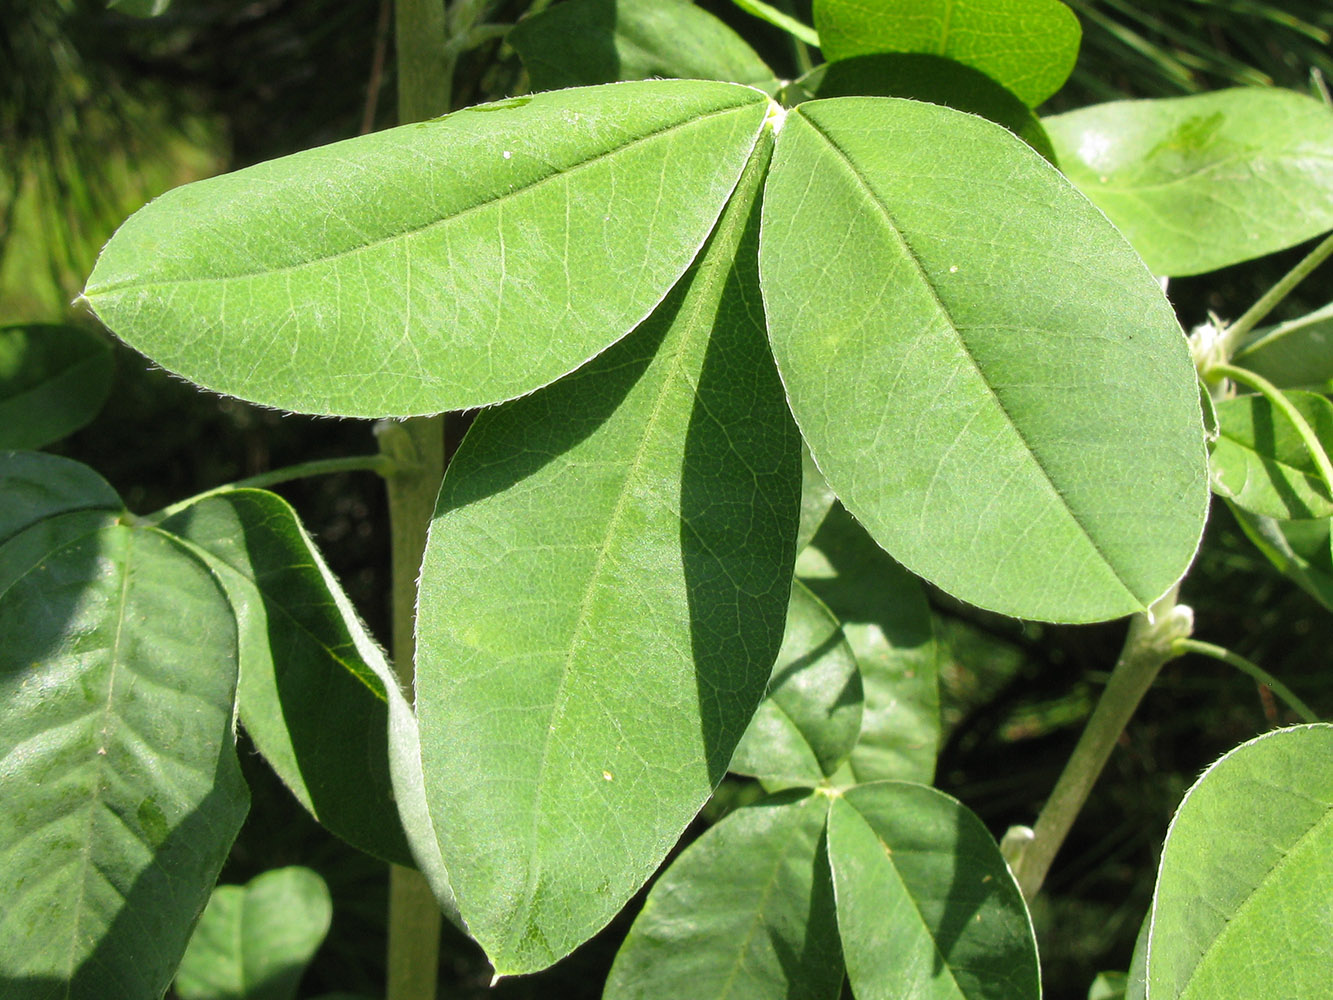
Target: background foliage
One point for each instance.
(103, 111)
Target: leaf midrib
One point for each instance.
(406, 234)
(915, 261)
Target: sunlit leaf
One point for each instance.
(745, 911)
(810, 718)
(254, 941)
(1032, 451)
(121, 788)
(1260, 461)
(927, 907)
(309, 696)
(582, 42)
(1295, 354)
(1241, 908)
(435, 266)
(1197, 183)
(886, 620)
(602, 598)
(1028, 46)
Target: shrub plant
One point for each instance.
(750, 356)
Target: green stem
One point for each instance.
(381, 464)
(425, 62)
(1148, 646)
(1253, 316)
(1182, 646)
(1275, 396)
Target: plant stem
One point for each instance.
(1148, 646)
(381, 464)
(1275, 396)
(416, 447)
(425, 89)
(1251, 318)
(1182, 646)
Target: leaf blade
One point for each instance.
(519, 239)
(1016, 474)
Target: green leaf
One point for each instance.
(253, 942)
(121, 788)
(35, 487)
(810, 718)
(53, 380)
(311, 692)
(1241, 908)
(1260, 461)
(1299, 549)
(886, 620)
(1202, 182)
(927, 908)
(602, 598)
(1108, 986)
(1295, 354)
(436, 266)
(745, 911)
(816, 499)
(584, 42)
(988, 377)
(1027, 46)
(936, 79)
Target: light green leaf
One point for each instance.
(253, 942)
(1027, 46)
(887, 622)
(53, 380)
(311, 691)
(988, 377)
(436, 266)
(34, 487)
(816, 499)
(1108, 986)
(1260, 461)
(1295, 354)
(121, 788)
(745, 911)
(583, 42)
(810, 718)
(927, 908)
(1241, 908)
(1197, 183)
(602, 598)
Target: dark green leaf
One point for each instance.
(988, 377)
(1197, 183)
(745, 911)
(810, 719)
(1295, 354)
(936, 79)
(1260, 461)
(1027, 46)
(1241, 908)
(309, 695)
(436, 266)
(53, 380)
(602, 598)
(886, 620)
(1299, 549)
(254, 941)
(121, 788)
(584, 42)
(927, 908)
(34, 487)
